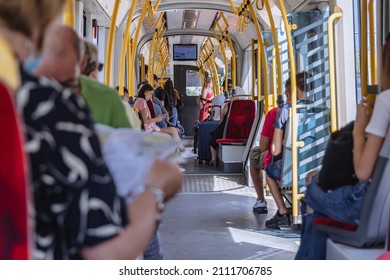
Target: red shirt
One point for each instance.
(268, 131)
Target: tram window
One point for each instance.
(193, 83)
(356, 24)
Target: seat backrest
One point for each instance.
(216, 106)
(14, 229)
(255, 131)
(375, 213)
(240, 119)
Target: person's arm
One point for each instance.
(264, 143)
(277, 142)
(147, 120)
(365, 152)
(143, 215)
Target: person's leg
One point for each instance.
(255, 159)
(173, 119)
(174, 134)
(313, 241)
(277, 195)
(214, 155)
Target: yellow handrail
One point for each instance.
(274, 79)
(338, 13)
(374, 79)
(142, 59)
(276, 48)
(363, 53)
(152, 45)
(294, 167)
(125, 44)
(130, 79)
(69, 17)
(135, 39)
(222, 47)
(253, 69)
(232, 50)
(110, 43)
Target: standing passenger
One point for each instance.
(68, 173)
(204, 101)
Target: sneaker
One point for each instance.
(278, 221)
(188, 154)
(182, 170)
(260, 207)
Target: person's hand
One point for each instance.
(166, 176)
(362, 117)
(160, 118)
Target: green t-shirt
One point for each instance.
(105, 104)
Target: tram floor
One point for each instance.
(212, 219)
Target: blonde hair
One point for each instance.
(91, 57)
(23, 16)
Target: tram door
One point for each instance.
(189, 85)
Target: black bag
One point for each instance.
(179, 105)
(337, 165)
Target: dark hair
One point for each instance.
(169, 88)
(141, 84)
(143, 89)
(229, 81)
(125, 90)
(301, 81)
(155, 78)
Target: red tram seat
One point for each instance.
(13, 183)
(232, 146)
(239, 122)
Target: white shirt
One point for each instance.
(380, 118)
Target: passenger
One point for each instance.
(172, 97)
(204, 101)
(90, 65)
(229, 93)
(62, 48)
(344, 203)
(145, 94)
(260, 157)
(161, 94)
(274, 169)
(218, 134)
(68, 174)
(125, 97)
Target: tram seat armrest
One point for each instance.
(327, 221)
(231, 141)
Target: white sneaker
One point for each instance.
(182, 170)
(188, 154)
(260, 207)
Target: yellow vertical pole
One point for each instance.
(260, 48)
(69, 17)
(135, 39)
(142, 58)
(332, 69)
(131, 77)
(276, 48)
(253, 69)
(110, 44)
(374, 79)
(294, 167)
(363, 53)
(234, 58)
(125, 44)
(274, 79)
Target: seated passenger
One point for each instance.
(260, 157)
(229, 93)
(145, 94)
(344, 203)
(68, 174)
(218, 134)
(274, 169)
(172, 96)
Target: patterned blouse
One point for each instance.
(76, 204)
